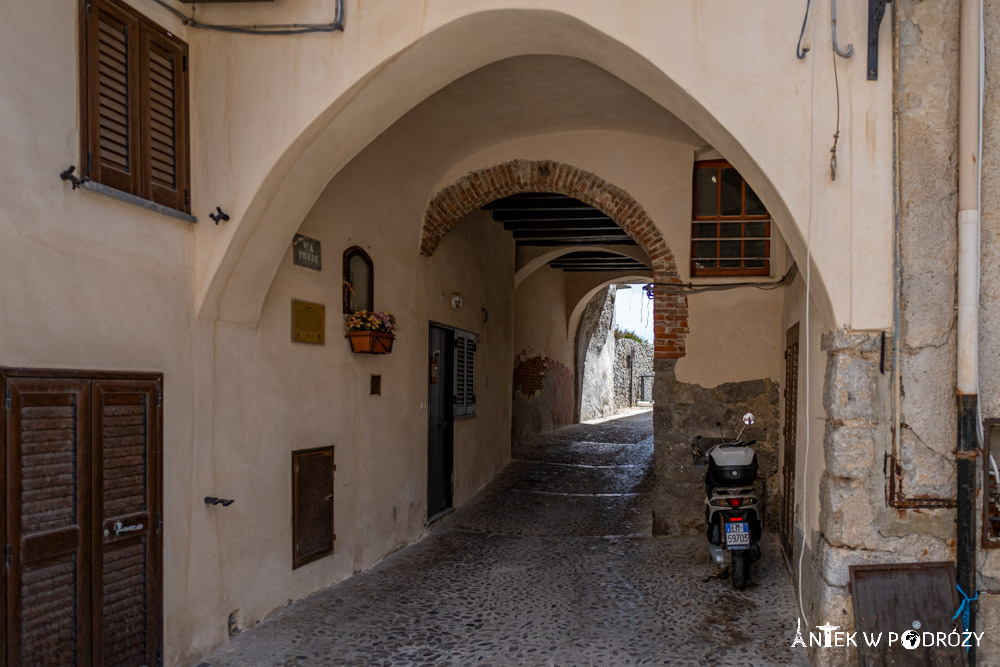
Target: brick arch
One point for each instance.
(447, 207)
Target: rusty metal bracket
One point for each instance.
(971, 455)
(876, 12)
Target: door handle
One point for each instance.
(121, 529)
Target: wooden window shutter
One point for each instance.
(465, 373)
(164, 114)
(112, 90)
(312, 505)
(47, 452)
(127, 551)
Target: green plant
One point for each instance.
(625, 333)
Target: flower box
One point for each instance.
(370, 342)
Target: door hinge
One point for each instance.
(159, 398)
(90, 163)
(87, 6)
(9, 556)
(184, 63)
(6, 399)
(187, 198)
(159, 657)
(159, 521)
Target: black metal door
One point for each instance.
(440, 447)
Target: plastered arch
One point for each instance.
(454, 202)
(235, 273)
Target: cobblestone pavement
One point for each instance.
(552, 564)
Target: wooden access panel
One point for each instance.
(312, 504)
(81, 457)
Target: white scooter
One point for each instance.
(732, 521)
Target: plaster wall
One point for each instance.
(350, 87)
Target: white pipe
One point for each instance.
(969, 129)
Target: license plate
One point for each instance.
(737, 535)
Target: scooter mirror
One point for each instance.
(749, 419)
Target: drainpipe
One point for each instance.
(967, 381)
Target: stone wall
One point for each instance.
(680, 412)
(595, 357)
(640, 356)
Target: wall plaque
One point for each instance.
(308, 322)
(306, 252)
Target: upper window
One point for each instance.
(135, 109)
(731, 229)
(359, 281)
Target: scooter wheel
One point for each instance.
(741, 567)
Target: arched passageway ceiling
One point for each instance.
(767, 142)
(530, 260)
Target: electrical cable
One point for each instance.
(337, 25)
(691, 288)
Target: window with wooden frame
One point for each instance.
(359, 281)
(134, 105)
(730, 229)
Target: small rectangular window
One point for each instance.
(135, 105)
(730, 229)
(312, 505)
(465, 374)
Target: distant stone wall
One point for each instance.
(596, 357)
(642, 364)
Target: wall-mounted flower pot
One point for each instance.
(370, 342)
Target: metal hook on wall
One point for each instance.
(800, 53)
(833, 29)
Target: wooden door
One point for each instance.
(126, 508)
(47, 453)
(440, 395)
(82, 506)
(789, 432)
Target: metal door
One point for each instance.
(440, 445)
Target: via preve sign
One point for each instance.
(306, 252)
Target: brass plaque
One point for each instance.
(308, 322)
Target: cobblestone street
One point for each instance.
(552, 564)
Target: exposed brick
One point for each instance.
(479, 188)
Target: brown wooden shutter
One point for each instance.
(312, 504)
(164, 114)
(48, 467)
(112, 90)
(127, 545)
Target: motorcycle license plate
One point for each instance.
(737, 535)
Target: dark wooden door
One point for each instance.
(126, 507)
(47, 451)
(789, 431)
(82, 506)
(440, 446)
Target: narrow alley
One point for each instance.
(552, 564)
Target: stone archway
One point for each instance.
(451, 204)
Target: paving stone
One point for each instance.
(552, 564)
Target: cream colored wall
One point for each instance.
(540, 317)
(349, 87)
(735, 335)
